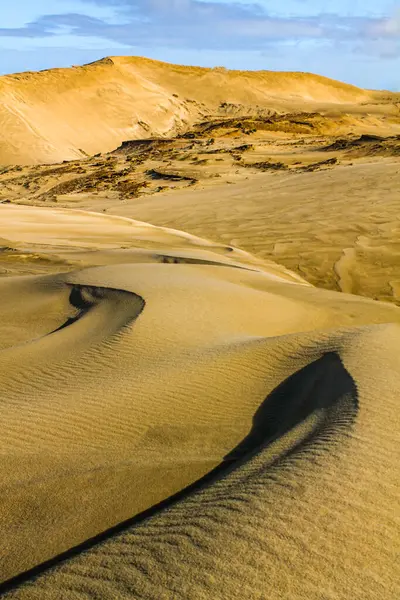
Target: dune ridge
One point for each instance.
(65, 114)
(226, 428)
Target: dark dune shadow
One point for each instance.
(176, 260)
(78, 301)
(317, 387)
(85, 297)
(324, 387)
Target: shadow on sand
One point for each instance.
(324, 387)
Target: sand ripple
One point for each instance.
(181, 422)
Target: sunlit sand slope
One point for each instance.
(338, 228)
(128, 374)
(68, 113)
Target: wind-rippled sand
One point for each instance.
(136, 361)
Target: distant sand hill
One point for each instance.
(64, 114)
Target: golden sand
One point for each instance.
(121, 384)
(69, 113)
(185, 412)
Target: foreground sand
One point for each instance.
(134, 361)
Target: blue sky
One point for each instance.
(353, 40)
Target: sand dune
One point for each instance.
(322, 205)
(64, 114)
(337, 228)
(145, 360)
(183, 415)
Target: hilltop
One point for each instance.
(66, 114)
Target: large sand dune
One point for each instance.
(63, 114)
(142, 360)
(185, 412)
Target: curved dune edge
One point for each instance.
(55, 231)
(157, 373)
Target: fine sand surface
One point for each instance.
(137, 360)
(290, 189)
(338, 228)
(207, 407)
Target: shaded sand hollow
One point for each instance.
(136, 361)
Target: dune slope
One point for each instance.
(336, 227)
(145, 360)
(64, 114)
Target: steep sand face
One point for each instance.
(63, 114)
(149, 359)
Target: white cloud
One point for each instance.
(389, 27)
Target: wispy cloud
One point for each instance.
(207, 25)
(387, 28)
